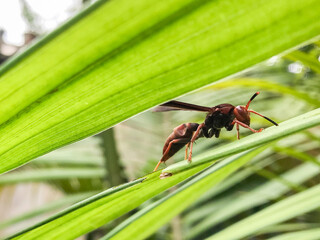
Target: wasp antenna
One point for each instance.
(263, 117)
(155, 169)
(253, 97)
(270, 120)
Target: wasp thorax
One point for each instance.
(242, 115)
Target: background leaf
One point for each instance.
(281, 211)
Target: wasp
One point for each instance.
(221, 116)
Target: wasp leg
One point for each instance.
(217, 133)
(187, 148)
(246, 126)
(194, 137)
(238, 131)
(167, 154)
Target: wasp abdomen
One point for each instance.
(180, 136)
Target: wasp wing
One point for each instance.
(176, 106)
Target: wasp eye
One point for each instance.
(242, 115)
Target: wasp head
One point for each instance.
(242, 114)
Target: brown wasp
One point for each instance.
(218, 117)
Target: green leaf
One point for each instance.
(304, 58)
(271, 190)
(311, 234)
(58, 204)
(297, 154)
(286, 209)
(119, 58)
(51, 174)
(289, 227)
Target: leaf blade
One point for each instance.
(286, 209)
